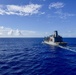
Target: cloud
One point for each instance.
(58, 12)
(9, 32)
(23, 10)
(1, 27)
(64, 15)
(18, 32)
(56, 5)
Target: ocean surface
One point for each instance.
(29, 56)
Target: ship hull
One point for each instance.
(56, 43)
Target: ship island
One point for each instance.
(55, 40)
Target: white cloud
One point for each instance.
(18, 32)
(9, 32)
(0, 33)
(56, 5)
(58, 12)
(64, 15)
(1, 27)
(23, 10)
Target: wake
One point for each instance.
(73, 49)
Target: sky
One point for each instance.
(37, 18)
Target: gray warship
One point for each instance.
(55, 39)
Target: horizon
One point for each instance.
(37, 18)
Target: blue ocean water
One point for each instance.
(29, 56)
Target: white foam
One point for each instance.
(73, 49)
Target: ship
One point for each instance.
(55, 40)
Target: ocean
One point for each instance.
(29, 56)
